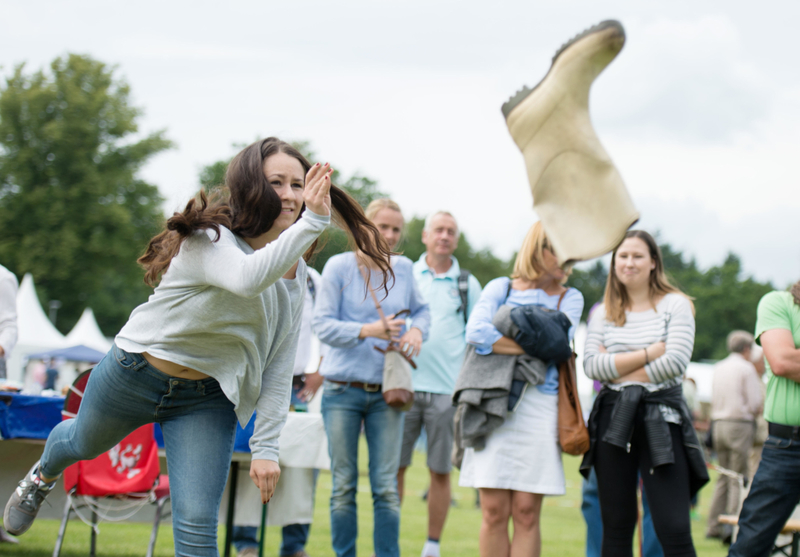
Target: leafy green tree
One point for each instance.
(591, 283)
(72, 211)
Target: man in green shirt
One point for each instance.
(775, 491)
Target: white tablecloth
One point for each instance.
(303, 448)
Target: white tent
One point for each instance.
(35, 332)
(87, 332)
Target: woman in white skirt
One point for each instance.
(521, 462)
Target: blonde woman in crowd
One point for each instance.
(521, 462)
(347, 321)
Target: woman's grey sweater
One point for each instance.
(225, 310)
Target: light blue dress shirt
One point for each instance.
(344, 306)
(442, 354)
(483, 334)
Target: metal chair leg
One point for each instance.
(63, 528)
(93, 547)
(159, 508)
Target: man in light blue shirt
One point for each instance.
(451, 295)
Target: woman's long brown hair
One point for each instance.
(796, 292)
(616, 298)
(248, 206)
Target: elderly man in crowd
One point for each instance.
(451, 293)
(8, 337)
(737, 399)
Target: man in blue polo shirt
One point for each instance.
(451, 295)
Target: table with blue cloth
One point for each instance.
(28, 417)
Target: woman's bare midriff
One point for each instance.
(173, 369)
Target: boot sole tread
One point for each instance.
(520, 95)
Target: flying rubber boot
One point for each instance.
(577, 192)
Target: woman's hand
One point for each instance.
(411, 342)
(265, 474)
(377, 330)
(313, 382)
(317, 191)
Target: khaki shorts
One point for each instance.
(436, 413)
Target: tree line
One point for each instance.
(75, 214)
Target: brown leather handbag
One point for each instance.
(572, 433)
(397, 387)
(573, 436)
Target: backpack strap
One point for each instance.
(463, 291)
(311, 288)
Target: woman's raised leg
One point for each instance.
(119, 397)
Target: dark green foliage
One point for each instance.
(213, 175)
(591, 283)
(73, 213)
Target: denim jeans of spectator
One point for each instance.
(344, 409)
(199, 425)
(774, 494)
(590, 507)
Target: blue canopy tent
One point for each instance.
(78, 353)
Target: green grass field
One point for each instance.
(563, 529)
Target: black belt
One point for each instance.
(785, 431)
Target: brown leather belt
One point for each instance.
(369, 387)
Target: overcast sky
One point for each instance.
(700, 111)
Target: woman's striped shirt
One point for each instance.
(672, 322)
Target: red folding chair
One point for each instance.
(115, 485)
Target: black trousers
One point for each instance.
(667, 489)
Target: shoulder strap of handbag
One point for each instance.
(374, 298)
(558, 307)
(561, 298)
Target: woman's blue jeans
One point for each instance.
(199, 425)
(344, 409)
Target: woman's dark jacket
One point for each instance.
(623, 419)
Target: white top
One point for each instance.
(307, 343)
(8, 310)
(223, 309)
(672, 322)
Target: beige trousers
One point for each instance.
(732, 443)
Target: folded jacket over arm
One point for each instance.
(483, 386)
(626, 405)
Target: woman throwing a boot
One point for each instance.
(216, 340)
